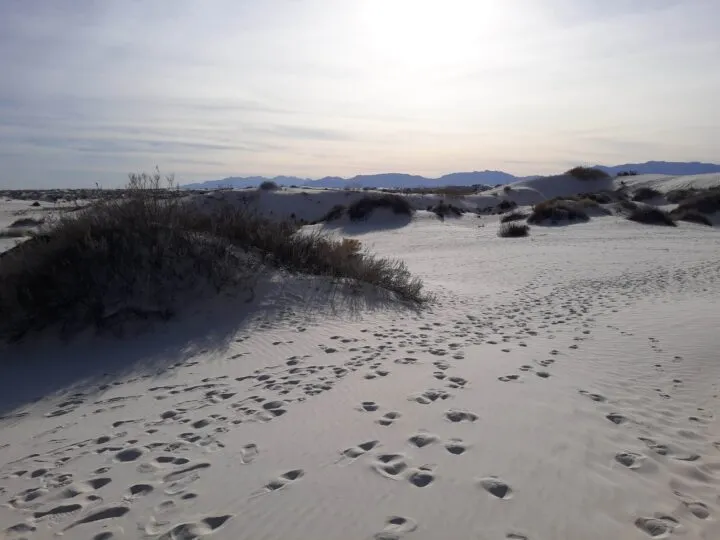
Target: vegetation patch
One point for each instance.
(513, 230)
(443, 210)
(138, 255)
(692, 216)
(557, 210)
(645, 194)
(587, 173)
(362, 208)
(706, 202)
(514, 216)
(651, 215)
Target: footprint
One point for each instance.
(698, 509)
(388, 418)
(248, 453)
(284, 479)
(129, 454)
(139, 490)
(395, 528)
(508, 378)
(423, 439)
(357, 451)
(421, 477)
(595, 397)
(390, 465)
(456, 446)
(657, 526)
(457, 416)
(182, 473)
(196, 529)
(616, 418)
(631, 460)
(369, 406)
(496, 487)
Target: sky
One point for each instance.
(91, 90)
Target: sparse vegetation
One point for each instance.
(706, 202)
(678, 195)
(362, 208)
(443, 210)
(692, 216)
(556, 210)
(645, 194)
(26, 222)
(627, 173)
(506, 205)
(514, 216)
(137, 256)
(513, 230)
(651, 215)
(335, 213)
(269, 185)
(587, 173)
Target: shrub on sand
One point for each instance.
(587, 173)
(336, 212)
(362, 208)
(692, 216)
(651, 215)
(645, 194)
(513, 230)
(137, 256)
(678, 195)
(26, 222)
(707, 202)
(513, 216)
(443, 210)
(506, 205)
(269, 185)
(555, 210)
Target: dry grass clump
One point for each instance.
(27, 222)
(556, 210)
(443, 210)
(651, 215)
(678, 195)
(516, 215)
(362, 208)
(692, 216)
(269, 185)
(706, 202)
(137, 256)
(645, 194)
(587, 173)
(513, 230)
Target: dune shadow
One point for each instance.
(43, 365)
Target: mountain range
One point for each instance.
(400, 180)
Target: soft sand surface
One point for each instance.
(564, 386)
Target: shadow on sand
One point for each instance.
(43, 365)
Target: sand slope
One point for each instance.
(563, 386)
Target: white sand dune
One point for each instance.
(562, 386)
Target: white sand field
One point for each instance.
(562, 386)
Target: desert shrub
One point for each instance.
(269, 185)
(513, 230)
(35, 204)
(506, 205)
(627, 173)
(138, 255)
(651, 215)
(513, 216)
(443, 210)
(362, 208)
(678, 195)
(14, 233)
(587, 173)
(627, 206)
(336, 212)
(601, 197)
(706, 202)
(692, 216)
(645, 194)
(556, 210)
(27, 222)
(508, 189)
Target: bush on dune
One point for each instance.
(513, 216)
(555, 210)
(706, 202)
(137, 256)
(443, 210)
(651, 215)
(587, 173)
(645, 194)
(362, 208)
(692, 216)
(513, 230)
(269, 185)
(678, 195)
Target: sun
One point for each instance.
(420, 33)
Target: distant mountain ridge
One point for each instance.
(401, 180)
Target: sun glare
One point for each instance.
(423, 33)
